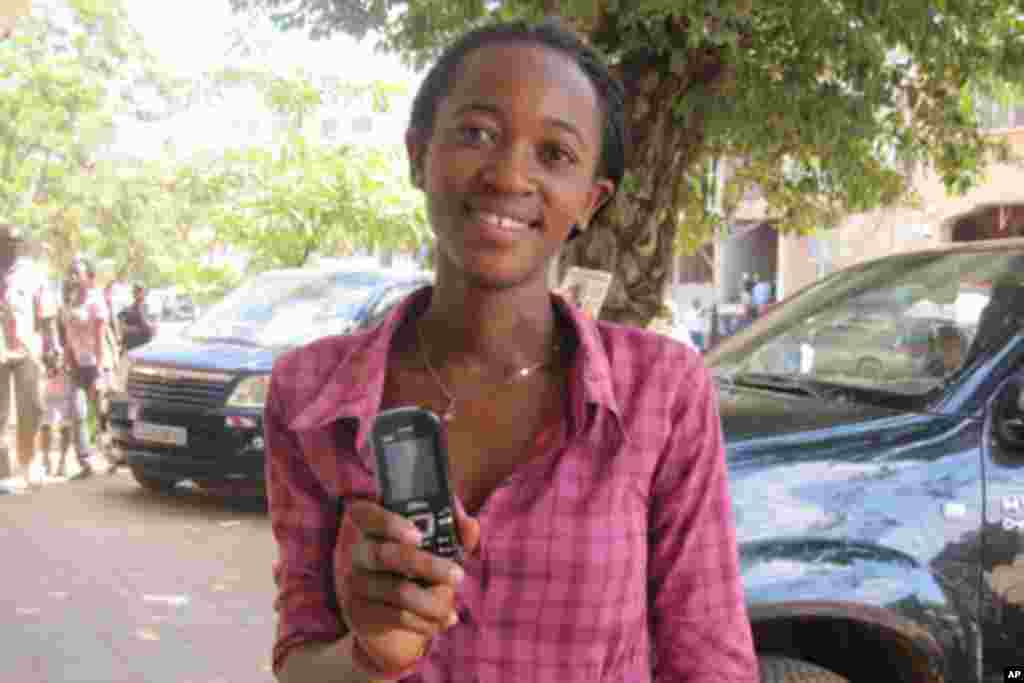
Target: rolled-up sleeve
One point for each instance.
(699, 619)
(305, 525)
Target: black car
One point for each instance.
(880, 515)
(191, 405)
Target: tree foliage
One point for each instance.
(301, 197)
(819, 96)
(823, 105)
(75, 69)
(69, 71)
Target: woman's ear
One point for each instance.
(600, 194)
(415, 147)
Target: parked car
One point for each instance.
(876, 344)
(880, 516)
(190, 405)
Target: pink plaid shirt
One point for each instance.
(611, 556)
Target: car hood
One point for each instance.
(753, 413)
(206, 355)
(831, 498)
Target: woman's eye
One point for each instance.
(556, 154)
(475, 135)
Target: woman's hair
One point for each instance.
(551, 34)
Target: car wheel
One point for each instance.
(786, 670)
(151, 483)
(870, 368)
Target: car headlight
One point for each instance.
(251, 392)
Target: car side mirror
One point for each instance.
(1008, 422)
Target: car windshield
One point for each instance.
(282, 309)
(905, 324)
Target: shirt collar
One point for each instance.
(592, 374)
(356, 385)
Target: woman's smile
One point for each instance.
(497, 226)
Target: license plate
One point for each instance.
(161, 434)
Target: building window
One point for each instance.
(996, 115)
(329, 129)
(362, 124)
(280, 124)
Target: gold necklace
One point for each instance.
(449, 412)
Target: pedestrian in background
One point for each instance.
(83, 327)
(747, 288)
(946, 349)
(27, 312)
(137, 328)
(761, 296)
(693, 318)
(57, 412)
(586, 457)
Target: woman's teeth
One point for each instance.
(503, 222)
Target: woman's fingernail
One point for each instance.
(410, 534)
(452, 620)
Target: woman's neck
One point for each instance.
(488, 331)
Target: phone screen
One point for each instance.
(412, 468)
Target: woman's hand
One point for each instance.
(392, 616)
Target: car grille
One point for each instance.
(179, 387)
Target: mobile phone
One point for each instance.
(412, 475)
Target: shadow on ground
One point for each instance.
(189, 500)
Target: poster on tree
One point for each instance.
(586, 288)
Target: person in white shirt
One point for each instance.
(761, 295)
(26, 317)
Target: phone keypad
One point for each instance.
(444, 541)
(425, 523)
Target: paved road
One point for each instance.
(107, 583)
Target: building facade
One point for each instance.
(993, 209)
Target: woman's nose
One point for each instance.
(510, 170)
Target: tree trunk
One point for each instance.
(633, 238)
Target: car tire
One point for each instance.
(151, 483)
(786, 670)
(870, 368)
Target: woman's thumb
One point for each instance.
(469, 528)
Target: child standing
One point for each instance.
(56, 416)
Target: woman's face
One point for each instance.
(510, 164)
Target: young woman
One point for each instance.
(587, 456)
